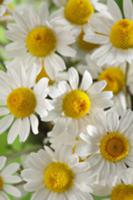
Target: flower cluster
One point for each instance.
(71, 68)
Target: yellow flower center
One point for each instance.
(121, 35)
(1, 183)
(58, 177)
(41, 41)
(114, 147)
(78, 11)
(43, 74)
(21, 102)
(115, 79)
(76, 104)
(122, 192)
(86, 46)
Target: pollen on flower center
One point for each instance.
(58, 177)
(121, 34)
(43, 74)
(115, 79)
(41, 41)
(86, 46)
(122, 192)
(78, 11)
(76, 104)
(1, 183)
(21, 102)
(114, 147)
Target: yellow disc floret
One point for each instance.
(1, 183)
(121, 35)
(58, 177)
(21, 102)
(122, 192)
(114, 147)
(43, 74)
(41, 41)
(78, 11)
(85, 46)
(76, 104)
(115, 79)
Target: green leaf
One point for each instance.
(3, 144)
(27, 197)
(120, 2)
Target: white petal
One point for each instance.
(112, 121)
(41, 88)
(4, 111)
(44, 12)
(25, 129)
(73, 78)
(97, 87)
(114, 10)
(56, 62)
(86, 81)
(2, 161)
(14, 131)
(101, 190)
(128, 9)
(12, 190)
(67, 51)
(10, 169)
(34, 124)
(40, 195)
(12, 179)
(126, 121)
(5, 123)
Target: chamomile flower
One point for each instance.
(77, 13)
(121, 188)
(37, 38)
(8, 179)
(113, 33)
(3, 6)
(21, 99)
(109, 144)
(116, 77)
(56, 175)
(75, 103)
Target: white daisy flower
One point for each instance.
(3, 6)
(8, 179)
(109, 144)
(77, 13)
(56, 175)
(121, 188)
(21, 99)
(115, 76)
(36, 37)
(75, 103)
(113, 33)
